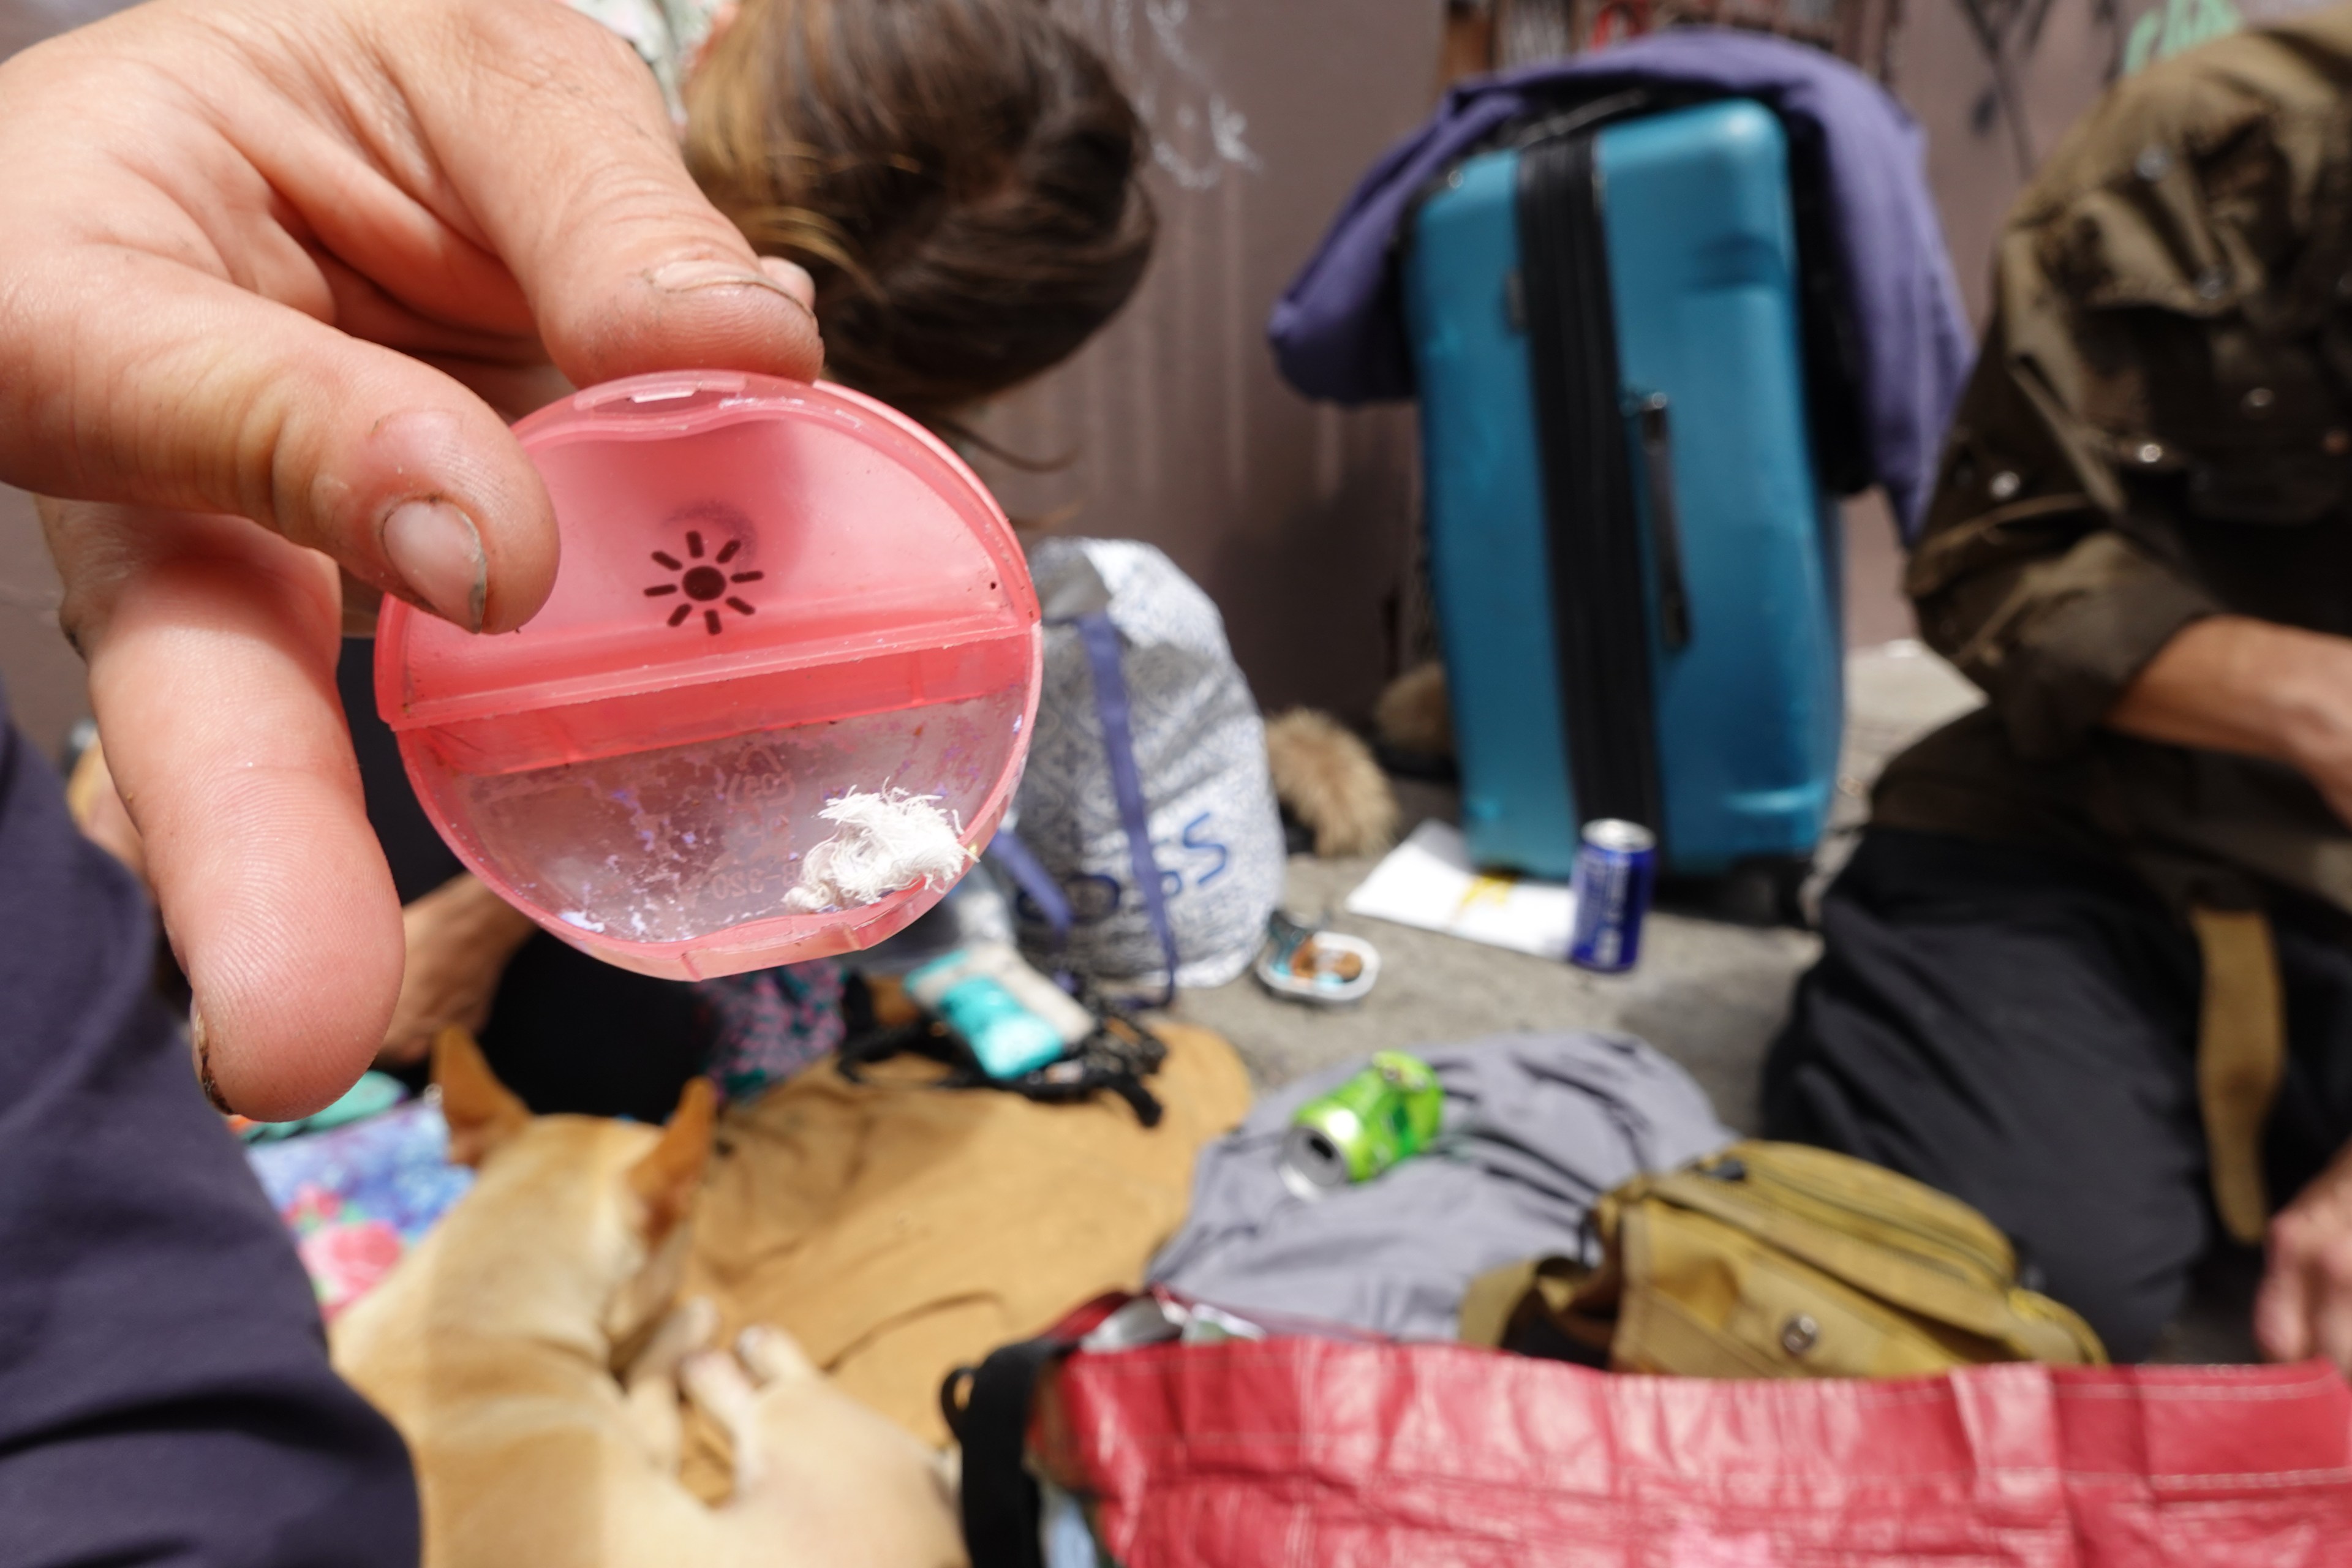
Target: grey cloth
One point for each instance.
(1537, 1127)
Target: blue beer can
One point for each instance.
(1616, 863)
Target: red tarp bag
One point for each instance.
(1292, 1452)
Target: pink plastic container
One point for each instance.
(771, 595)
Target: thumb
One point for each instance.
(626, 266)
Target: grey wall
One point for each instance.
(1295, 517)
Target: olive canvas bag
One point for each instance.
(1779, 1261)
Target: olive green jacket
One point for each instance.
(2159, 429)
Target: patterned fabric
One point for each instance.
(769, 1026)
(357, 1196)
(1200, 746)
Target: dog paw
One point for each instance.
(773, 1356)
(650, 1385)
(688, 1327)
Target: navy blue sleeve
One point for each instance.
(165, 1392)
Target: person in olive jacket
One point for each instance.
(2091, 967)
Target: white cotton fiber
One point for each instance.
(888, 841)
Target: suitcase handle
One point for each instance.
(1656, 438)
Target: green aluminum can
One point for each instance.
(1390, 1112)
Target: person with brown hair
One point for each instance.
(960, 176)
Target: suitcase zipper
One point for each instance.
(1600, 604)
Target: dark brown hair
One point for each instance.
(960, 176)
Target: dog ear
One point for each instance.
(482, 1112)
(666, 1178)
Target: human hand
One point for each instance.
(2311, 696)
(460, 938)
(2231, 683)
(2304, 1305)
(263, 262)
(2321, 747)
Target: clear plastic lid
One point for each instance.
(788, 621)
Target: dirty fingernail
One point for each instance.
(680, 277)
(200, 1052)
(438, 554)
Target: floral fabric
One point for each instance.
(769, 1026)
(357, 1196)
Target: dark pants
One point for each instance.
(165, 1392)
(2020, 1030)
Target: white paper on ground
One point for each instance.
(1428, 881)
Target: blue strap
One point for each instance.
(1100, 639)
(1014, 859)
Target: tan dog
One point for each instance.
(494, 1348)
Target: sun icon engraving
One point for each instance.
(703, 583)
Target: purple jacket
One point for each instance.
(1338, 332)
